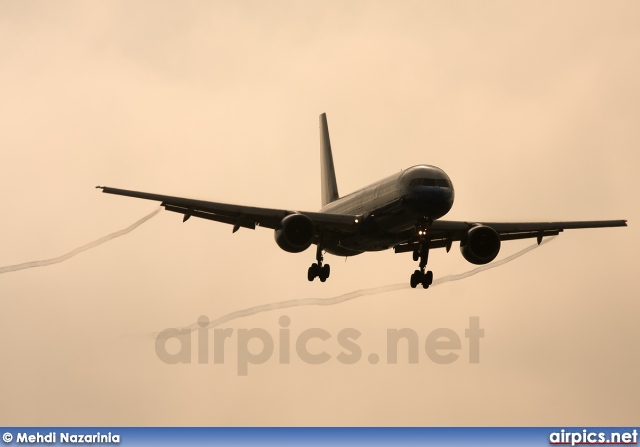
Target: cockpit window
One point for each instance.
(443, 183)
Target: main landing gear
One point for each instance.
(420, 276)
(318, 270)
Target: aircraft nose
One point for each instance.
(432, 200)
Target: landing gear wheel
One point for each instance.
(428, 278)
(415, 278)
(311, 274)
(317, 270)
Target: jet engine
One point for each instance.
(480, 245)
(295, 233)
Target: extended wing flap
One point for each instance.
(236, 222)
(528, 234)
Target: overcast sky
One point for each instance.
(532, 108)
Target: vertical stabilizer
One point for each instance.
(327, 172)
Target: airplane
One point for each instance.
(401, 211)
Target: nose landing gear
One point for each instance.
(420, 276)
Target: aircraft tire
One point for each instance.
(311, 274)
(415, 279)
(429, 277)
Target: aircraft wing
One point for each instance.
(238, 215)
(447, 231)
(443, 232)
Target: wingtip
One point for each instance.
(100, 187)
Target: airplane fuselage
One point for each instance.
(392, 208)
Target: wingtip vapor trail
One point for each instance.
(72, 253)
(351, 295)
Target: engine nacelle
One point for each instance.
(480, 245)
(295, 234)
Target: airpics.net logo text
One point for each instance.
(313, 346)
